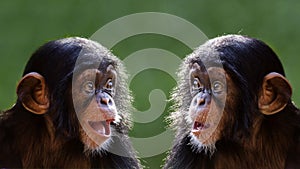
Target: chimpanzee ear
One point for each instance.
(275, 93)
(33, 93)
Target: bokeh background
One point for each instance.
(25, 25)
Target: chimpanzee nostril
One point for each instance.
(105, 101)
(201, 101)
(110, 102)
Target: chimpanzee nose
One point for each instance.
(202, 99)
(105, 99)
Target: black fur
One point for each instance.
(273, 144)
(25, 141)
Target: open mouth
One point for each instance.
(199, 126)
(101, 127)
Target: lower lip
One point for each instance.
(101, 133)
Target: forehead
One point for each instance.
(100, 71)
(210, 74)
(90, 61)
(216, 72)
(90, 74)
(202, 69)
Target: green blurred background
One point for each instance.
(25, 25)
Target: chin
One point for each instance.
(94, 143)
(204, 141)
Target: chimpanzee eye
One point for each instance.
(89, 87)
(196, 85)
(218, 87)
(109, 84)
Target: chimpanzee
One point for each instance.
(233, 109)
(72, 111)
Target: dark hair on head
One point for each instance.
(58, 60)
